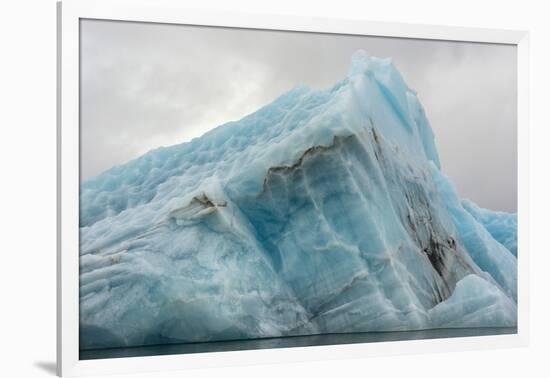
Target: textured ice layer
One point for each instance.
(490, 255)
(502, 226)
(477, 304)
(322, 212)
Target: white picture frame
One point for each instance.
(170, 11)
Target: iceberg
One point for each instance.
(325, 211)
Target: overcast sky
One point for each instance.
(147, 85)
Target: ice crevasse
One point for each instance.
(325, 211)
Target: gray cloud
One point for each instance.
(147, 85)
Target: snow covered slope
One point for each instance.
(322, 212)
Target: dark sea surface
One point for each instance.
(289, 342)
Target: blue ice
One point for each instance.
(322, 212)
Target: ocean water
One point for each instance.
(289, 342)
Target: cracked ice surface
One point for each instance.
(322, 212)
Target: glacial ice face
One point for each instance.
(491, 256)
(502, 226)
(478, 304)
(322, 212)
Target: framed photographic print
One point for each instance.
(237, 189)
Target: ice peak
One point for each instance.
(359, 63)
(362, 62)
